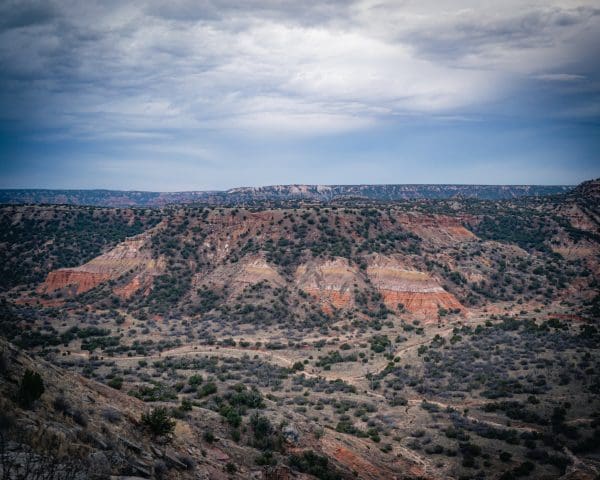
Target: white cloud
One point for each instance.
(560, 77)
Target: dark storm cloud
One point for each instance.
(18, 14)
(468, 33)
(306, 12)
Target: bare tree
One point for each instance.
(39, 456)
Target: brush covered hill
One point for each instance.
(68, 427)
(310, 263)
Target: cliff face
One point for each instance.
(440, 229)
(250, 270)
(339, 255)
(127, 256)
(331, 282)
(79, 280)
(418, 292)
(334, 282)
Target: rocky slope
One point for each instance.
(128, 256)
(425, 262)
(333, 283)
(415, 291)
(82, 429)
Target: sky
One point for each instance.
(215, 94)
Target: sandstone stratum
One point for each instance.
(128, 256)
(417, 292)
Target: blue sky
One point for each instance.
(200, 95)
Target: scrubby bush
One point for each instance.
(158, 421)
(313, 464)
(116, 383)
(208, 436)
(31, 388)
(207, 389)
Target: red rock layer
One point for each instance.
(81, 281)
(330, 281)
(419, 292)
(438, 228)
(331, 299)
(138, 283)
(125, 257)
(424, 303)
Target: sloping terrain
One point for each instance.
(127, 256)
(415, 291)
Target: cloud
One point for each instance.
(21, 14)
(560, 77)
(138, 69)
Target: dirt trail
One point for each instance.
(191, 350)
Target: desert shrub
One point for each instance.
(430, 407)
(207, 389)
(158, 421)
(157, 392)
(298, 366)
(266, 437)
(516, 411)
(31, 388)
(116, 383)
(61, 404)
(313, 464)
(195, 380)
(261, 426)
(505, 456)
(397, 401)
(80, 417)
(379, 343)
(345, 425)
(522, 470)
(243, 397)
(266, 458)
(186, 405)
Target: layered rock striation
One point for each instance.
(417, 292)
(128, 256)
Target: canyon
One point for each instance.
(326, 337)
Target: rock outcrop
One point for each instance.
(418, 292)
(250, 270)
(127, 256)
(331, 282)
(439, 229)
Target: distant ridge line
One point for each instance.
(320, 193)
